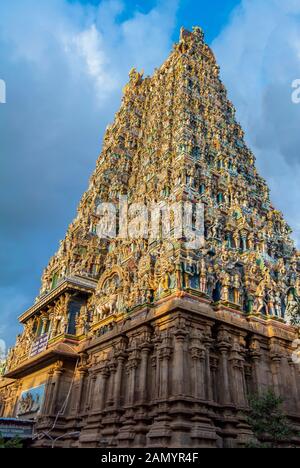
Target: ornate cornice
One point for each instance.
(74, 283)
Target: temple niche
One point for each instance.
(143, 340)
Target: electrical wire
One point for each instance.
(61, 412)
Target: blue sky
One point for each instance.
(212, 15)
(65, 63)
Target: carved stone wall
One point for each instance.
(180, 377)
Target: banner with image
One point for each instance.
(31, 402)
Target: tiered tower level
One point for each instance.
(148, 342)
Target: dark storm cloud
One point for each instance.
(64, 65)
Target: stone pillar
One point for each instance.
(225, 396)
(132, 365)
(238, 382)
(255, 353)
(159, 433)
(127, 433)
(197, 351)
(165, 353)
(208, 378)
(121, 357)
(98, 389)
(111, 384)
(154, 384)
(293, 368)
(45, 320)
(58, 372)
(102, 388)
(276, 356)
(47, 401)
(198, 358)
(90, 391)
(83, 372)
(179, 381)
(156, 365)
(275, 367)
(145, 351)
(214, 366)
(224, 347)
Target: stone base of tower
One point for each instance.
(176, 375)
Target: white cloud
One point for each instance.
(2, 350)
(88, 44)
(259, 56)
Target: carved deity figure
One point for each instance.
(226, 281)
(271, 303)
(292, 312)
(203, 277)
(259, 303)
(278, 304)
(108, 298)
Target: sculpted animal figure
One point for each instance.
(107, 309)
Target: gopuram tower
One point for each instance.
(151, 342)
